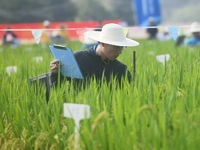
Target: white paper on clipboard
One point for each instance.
(69, 66)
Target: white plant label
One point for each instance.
(77, 112)
(163, 58)
(38, 59)
(11, 69)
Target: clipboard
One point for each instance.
(69, 66)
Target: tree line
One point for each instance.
(30, 11)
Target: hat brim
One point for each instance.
(88, 40)
(96, 35)
(195, 30)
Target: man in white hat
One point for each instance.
(195, 39)
(100, 61)
(152, 30)
(46, 34)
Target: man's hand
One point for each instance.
(54, 65)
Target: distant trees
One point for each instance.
(105, 10)
(36, 10)
(93, 10)
(124, 10)
(62, 10)
(22, 11)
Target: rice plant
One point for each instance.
(159, 109)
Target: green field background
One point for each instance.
(160, 109)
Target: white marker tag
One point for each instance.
(163, 58)
(76, 111)
(11, 69)
(38, 59)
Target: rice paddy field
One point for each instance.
(160, 109)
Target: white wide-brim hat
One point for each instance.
(112, 34)
(88, 40)
(195, 27)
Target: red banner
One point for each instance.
(23, 30)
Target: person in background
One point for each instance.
(10, 38)
(63, 32)
(46, 34)
(164, 35)
(88, 42)
(60, 36)
(195, 31)
(100, 61)
(152, 30)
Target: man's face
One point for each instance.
(112, 51)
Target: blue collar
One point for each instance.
(94, 47)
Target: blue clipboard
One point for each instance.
(69, 66)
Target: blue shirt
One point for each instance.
(192, 41)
